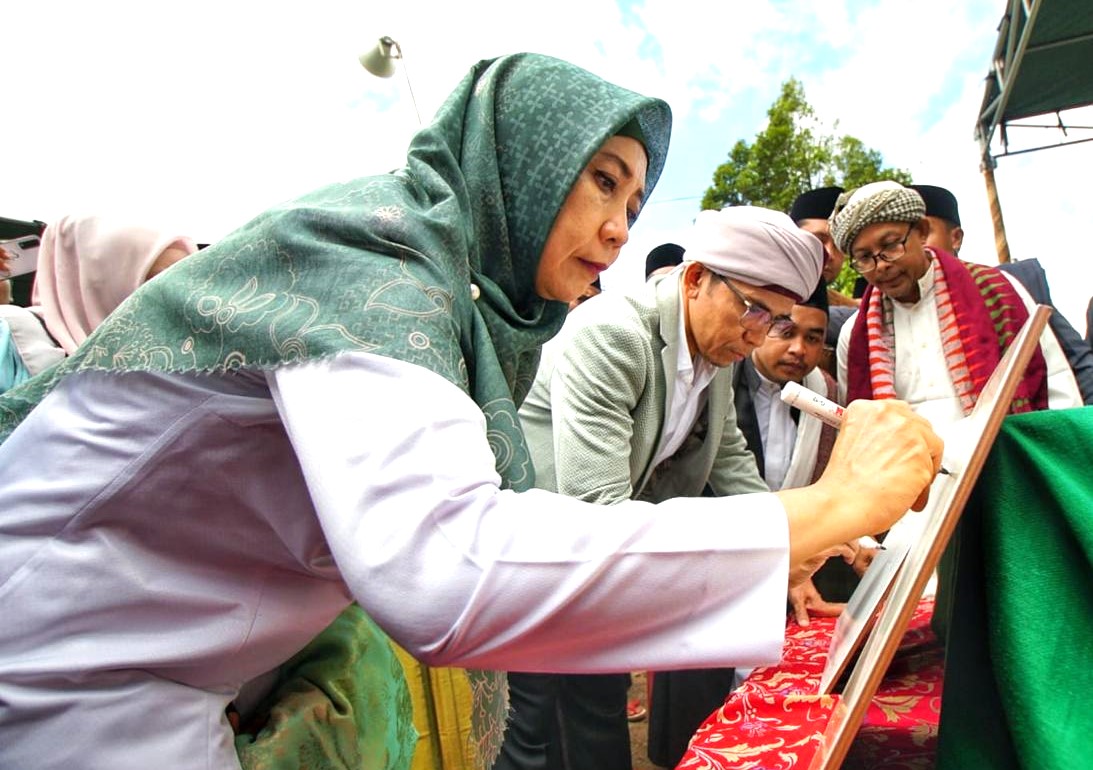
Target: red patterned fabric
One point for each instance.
(775, 720)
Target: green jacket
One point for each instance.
(595, 413)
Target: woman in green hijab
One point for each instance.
(322, 408)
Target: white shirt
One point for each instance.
(164, 539)
(693, 377)
(776, 429)
(806, 448)
(922, 376)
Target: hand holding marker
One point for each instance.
(824, 409)
(811, 402)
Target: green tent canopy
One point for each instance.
(1042, 64)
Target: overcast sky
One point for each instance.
(198, 115)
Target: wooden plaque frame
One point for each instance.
(981, 427)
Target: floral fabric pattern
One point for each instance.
(775, 720)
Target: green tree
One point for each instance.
(791, 155)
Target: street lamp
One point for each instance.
(380, 61)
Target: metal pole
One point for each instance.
(406, 72)
(1001, 245)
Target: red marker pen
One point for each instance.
(811, 402)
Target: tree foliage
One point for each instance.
(791, 155)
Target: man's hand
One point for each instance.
(802, 573)
(806, 600)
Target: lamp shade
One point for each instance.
(380, 60)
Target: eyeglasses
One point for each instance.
(756, 317)
(812, 338)
(867, 263)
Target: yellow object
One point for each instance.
(442, 715)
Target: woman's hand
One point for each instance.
(887, 455)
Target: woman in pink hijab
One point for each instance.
(88, 265)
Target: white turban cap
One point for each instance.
(758, 246)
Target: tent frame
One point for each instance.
(1015, 42)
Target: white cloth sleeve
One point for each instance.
(462, 573)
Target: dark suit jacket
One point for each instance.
(1078, 353)
(745, 381)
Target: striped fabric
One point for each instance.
(882, 341)
(950, 328)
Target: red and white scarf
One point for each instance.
(979, 313)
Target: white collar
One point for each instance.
(925, 284)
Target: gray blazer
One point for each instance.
(595, 414)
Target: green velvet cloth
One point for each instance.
(1019, 663)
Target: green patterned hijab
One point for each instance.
(385, 264)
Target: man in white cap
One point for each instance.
(905, 342)
(633, 400)
(792, 448)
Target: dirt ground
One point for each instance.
(639, 731)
